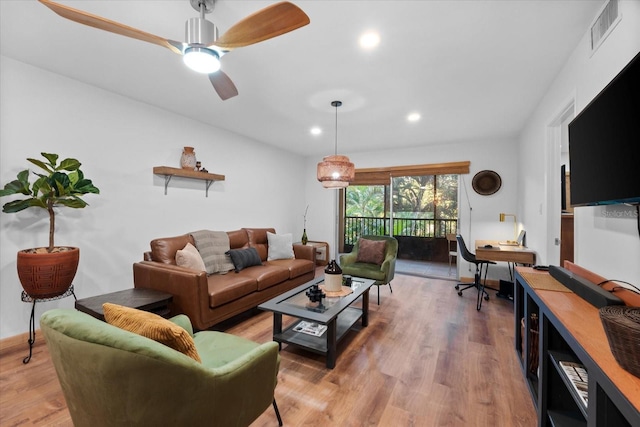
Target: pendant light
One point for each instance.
(336, 171)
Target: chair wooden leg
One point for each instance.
(378, 294)
(390, 287)
(275, 407)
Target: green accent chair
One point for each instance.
(112, 377)
(382, 274)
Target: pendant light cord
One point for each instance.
(336, 104)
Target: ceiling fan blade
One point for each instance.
(223, 85)
(111, 26)
(267, 23)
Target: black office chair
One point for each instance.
(480, 265)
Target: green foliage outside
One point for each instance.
(424, 206)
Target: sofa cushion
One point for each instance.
(258, 239)
(229, 287)
(164, 249)
(296, 267)
(267, 275)
(152, 326)
(213, 246)
(238, 239)
(280, 246)
(189, 257)
(243, 258)
(371, 251)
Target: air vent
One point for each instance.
(604, 24)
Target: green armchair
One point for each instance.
(382, 273)
(112, 377)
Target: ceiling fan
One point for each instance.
(203, 49)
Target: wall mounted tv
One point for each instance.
(604, 144)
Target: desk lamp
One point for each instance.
(515, 225)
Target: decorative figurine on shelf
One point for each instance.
(315, 294)
(304, 229)
(204, 170)
(198, 165)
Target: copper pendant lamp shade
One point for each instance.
(336, 171)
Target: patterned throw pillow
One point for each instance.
(213, 246)
(371, 251)
(280, 246)
(189, 257)
(243, 258)
(152, 326)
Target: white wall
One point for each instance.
(119, 141)
(481, 222)
(607, 245)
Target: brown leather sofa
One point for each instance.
(208, 300)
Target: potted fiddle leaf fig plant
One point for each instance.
(47, 272)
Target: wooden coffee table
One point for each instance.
(140, 298)
(336, 313)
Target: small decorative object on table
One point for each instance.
(315, 294)
(333, 277)
(188, 158)
(347, 280)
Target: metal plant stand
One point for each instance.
(32, 321)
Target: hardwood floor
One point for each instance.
(427, 358)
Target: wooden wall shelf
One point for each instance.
(169, 172)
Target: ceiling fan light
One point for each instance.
(201, 60)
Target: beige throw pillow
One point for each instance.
(189, 257)
(280, 246)
(152, 326)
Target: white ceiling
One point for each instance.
(474, 70)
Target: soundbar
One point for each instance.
(585, 289)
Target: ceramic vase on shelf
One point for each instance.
(188, 158)
(305, 239)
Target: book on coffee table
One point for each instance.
(310, 328)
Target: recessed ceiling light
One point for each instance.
(315, 130)
(369, 40)
(413, 117)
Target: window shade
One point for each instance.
(382, 176)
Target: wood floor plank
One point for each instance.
(427, 358)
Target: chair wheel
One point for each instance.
(460, 293)
(457, 287)
(486, 297)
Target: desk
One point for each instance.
(514, 254)
(505, 253)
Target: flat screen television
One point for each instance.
(604, 144)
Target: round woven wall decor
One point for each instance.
(486, 182)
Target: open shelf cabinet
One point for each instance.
(570, 332)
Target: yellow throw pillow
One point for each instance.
(152, 326)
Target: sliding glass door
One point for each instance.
(414, 209)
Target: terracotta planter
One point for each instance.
(47, 275)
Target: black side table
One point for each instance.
(143, 299)
(32, 322)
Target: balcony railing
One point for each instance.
(355, 227)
